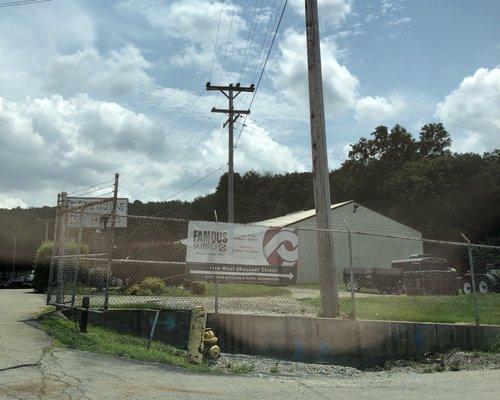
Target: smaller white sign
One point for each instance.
(93, 214)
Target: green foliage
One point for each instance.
(148, 287)
(414, 179)
(198, 288)
(104, 341)
(41, 264)
(446, 309)
(275, 369)
(155, 285)
(241, 368)
(207, 290)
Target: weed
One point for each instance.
(242, 368)
(275, 369)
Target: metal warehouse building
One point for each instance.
(369, 251)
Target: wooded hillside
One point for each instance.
(416, 181)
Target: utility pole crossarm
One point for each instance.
(225, 111)
(236, 88)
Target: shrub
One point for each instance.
(41, 264)
(148, 287)
(198, 288)
(155, 285)
(134, 290)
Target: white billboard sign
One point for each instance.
(93, 213)
(233, 252)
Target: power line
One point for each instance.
(264, 66)
(143, 188)
(269, 51)
(227, 42)
(163, 138)
(264, 40)
(251, 34)
(22, 3)
(216, 40)
(196, 182)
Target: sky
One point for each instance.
(92, 87)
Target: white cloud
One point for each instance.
(330, 11)
(378, 109)
(399, 21)
(11, 202)
(29, 39)
(471, 112)
(194, 23)
(289, 74)
(118, 73)
(51, 144)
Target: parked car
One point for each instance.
(487, 280)
(420, 274)
(25, 281)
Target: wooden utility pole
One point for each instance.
(14, 253)
(230, 92)
(47, 222)
(326, 260)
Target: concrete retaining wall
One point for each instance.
(346, 342)
(172, 326)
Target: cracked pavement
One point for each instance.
(31, 368)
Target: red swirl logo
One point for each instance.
(281, 247)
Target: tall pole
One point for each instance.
(327, 272)
(14, 253)
(230, 178)
(62, 231)
(230, 92)
(47, 221)
(55, 249)
(111, 241)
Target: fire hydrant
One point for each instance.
(210, 348)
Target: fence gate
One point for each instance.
(83, 244)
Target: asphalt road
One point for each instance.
(31, 368)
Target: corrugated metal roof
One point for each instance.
(292, 218)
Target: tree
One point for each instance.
(434, 140)
(391, 148)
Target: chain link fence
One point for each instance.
(141, 262)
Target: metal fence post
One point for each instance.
(55, 249)
(216, 282)
(77, 267)
(351, 272)
(473, 280)
(63, 217)
(474, 290)
(112, 244)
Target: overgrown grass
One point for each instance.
(444, 309)
(225, 290)
(104, 341)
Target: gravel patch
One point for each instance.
(240, 363)
(452, 361)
